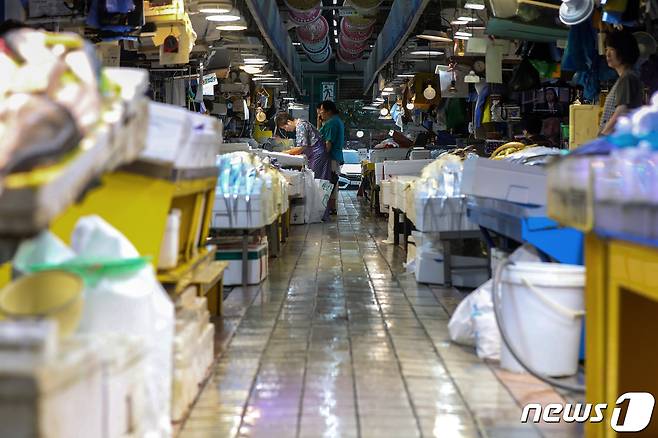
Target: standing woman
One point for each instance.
(310, 140)
(621, 53)
(333, 132)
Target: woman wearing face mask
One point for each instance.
(310, 140)
(621, 53)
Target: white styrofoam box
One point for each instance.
(297, 212)
(389, 169)
(227, 148)
(442, 214)
(181, 138)
(284, 160)
(386, 193)
(499, 179)
(125, 390)
(63, 397)
(466, 271)
(379, 155)
(258, 265)
(236, 213)
(401, 186)
(429, 268)
(295, 182)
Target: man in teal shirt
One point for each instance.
(333, 132)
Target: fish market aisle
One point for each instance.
(340, 342)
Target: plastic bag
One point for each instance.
(483, 319)
(134, 304)
(126, 299)
(460, 326)
(474, 320)
(317, 198)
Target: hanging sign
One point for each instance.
(329, 91)
(347, 12)
(210, 79)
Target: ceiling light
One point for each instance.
(265, 75)
(370, 108)
(216, 7)
(335, 23)
(360, 134)
(389, 89)
(383, 112)
(225, 18)
(430, 92)
(335, 2)
(458, 22)
(463, 33)
(287, 98)
(336, 40)
(386, 93)
(427, 52)
(407, 75)
(467, 19)
(296, 44)
(255, 61)
(251, 69)
(267, 79)
(460, 37)
(335, 32)
(410, 105)
(435, 36)
(231, 27)
(474, 4)
(283, 92)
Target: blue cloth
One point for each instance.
(333, 130)
(480, 104)
(582, 56)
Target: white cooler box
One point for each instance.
(258, 267)
(504, 181)
(379, 155)
(442, 214)
(258, 213)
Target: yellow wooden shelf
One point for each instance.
(177, 279)
(622, 320)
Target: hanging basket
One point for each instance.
(354, 33)
(367, 8)
(302, 18)
(321, 58)
(347, 58)
(350, 46)
(313, 32)
(315, 48)
(301, 5)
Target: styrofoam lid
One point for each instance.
(545, 274)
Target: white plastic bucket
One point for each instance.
(542, 306)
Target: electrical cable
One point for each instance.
(503, 334)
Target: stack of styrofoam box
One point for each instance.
(92, 386)
(442, 214)
(193, 350)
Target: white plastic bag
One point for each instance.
(483, 320)
(460, 326)
(317, 199)
(134, 304)
(474, 320)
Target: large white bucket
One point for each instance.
(542, 310)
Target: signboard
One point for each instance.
(347, 12)
(210, 79)
(329, 91)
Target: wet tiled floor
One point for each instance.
(341, 342)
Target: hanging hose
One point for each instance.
(503, 334)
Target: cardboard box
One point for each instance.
(297, 212)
